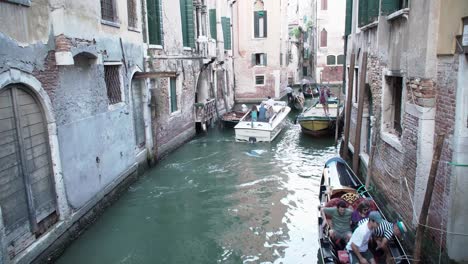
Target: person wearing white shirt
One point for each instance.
(358, 245)
(289, 93)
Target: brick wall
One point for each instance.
(48, 75)
(332, 74)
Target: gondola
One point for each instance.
(340, 183)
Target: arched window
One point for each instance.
(340, 59)
(324, 5)
(260, 20)
(323, 38)
(331, 60)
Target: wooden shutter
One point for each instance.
(349, 17)
(256, 26)
(331, 60)
(154, 22)
(323, 38)
(372, 10)
(226, 25)
(213, 31)
(254, 59)
(183, 18)
(264, 59)
(389, 6)
(363, 13)
(265, 24)
(138, 119)
(340, 59)
(190, 24)
(173, 90)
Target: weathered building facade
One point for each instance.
(259, 51)
(301, 54)
(414, 89)
(90, 91)
(329, 46)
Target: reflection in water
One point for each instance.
(217, 201)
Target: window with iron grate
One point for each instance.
(108, 10)
(132, 14)
(112, 78)
(260, 80)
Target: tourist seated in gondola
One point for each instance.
(358, 245)
(339, 222)
(362, 211)
(383, 234)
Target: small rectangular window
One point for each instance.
(173, 92)
(259, 59)
(259, 80)
(108, 10)
(304, 71)
(397, 89)
(132, 13)
(112, 79)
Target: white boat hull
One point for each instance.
(255, 131)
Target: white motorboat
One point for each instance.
(262, 131)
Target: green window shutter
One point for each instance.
(264, 59)
(226, 25)
(256, 27)
(190, 24)
(331, 60)
(154, 22)
(214, 33)
(349, 17)
(173, 89)
(363, 12)
(183, 18)
(372, 10)
(265, 23)
(254, 61)
(340, 60)
(389, 6)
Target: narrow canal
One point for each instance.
(217, 201)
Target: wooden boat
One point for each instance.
(232, 118)
(311, 92)
(248, 130)
(340, 183)
(298, 102)
(314, 122)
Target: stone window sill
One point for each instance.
(20, 2)
(397, 14)
(134, 29)
(154, 46)
(110, 23)
(392, 140)
(365, 159)
(369, 26)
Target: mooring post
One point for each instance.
(427, 198)
(349, 103)
(362, 91)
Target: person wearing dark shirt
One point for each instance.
(262, 113)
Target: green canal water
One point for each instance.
(217, 201)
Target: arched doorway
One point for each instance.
(27, 193)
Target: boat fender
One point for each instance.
(252, 140)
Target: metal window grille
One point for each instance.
(112, 78)
(132, 14)
(107, 10)
(259, 80)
